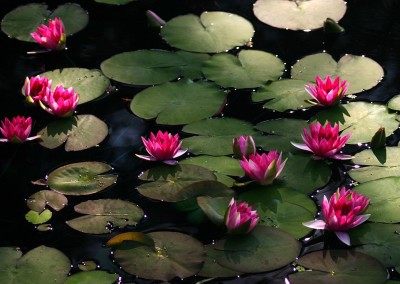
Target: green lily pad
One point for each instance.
(394, 103)
(282, 95)
(298, 15)
(339, 266)
(373, 172)
(263, 249)
(104, 215)
(361, 119)
(214, 207)
(89, 84)
(42, 264)
(23, 20)
(87, 265)
(360, 72)
(89, 277)
(193, 64)
(177, 103)
(250, 69)
(81, 178)
(211, 268)
(174, 255)
(78, 132)
(39, 200)
(212, 32)
(37, 218)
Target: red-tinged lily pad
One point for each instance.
(81, 178)
(90, 277)
(214, 207)
(36, 218)
(39, 200)
(173, 255)
(339, 266)
(136, 237)
(104, 215)
(78, 132)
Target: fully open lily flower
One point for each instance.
(341, 213)
(240, 219)
(62, 102)
(163, 147)
(16, 130)
(37, 89)
(324, 141)
(53, 36)
(243, 146)
(263, 168)
(327, 92)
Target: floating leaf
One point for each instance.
(177, 103)
(103, 215)
(394, 103)
(81, 178)
(36, 218)
(39, 200)
(88, 265)
(211, 268)
(214, 207)
(193, 64)
(114, 2)
(298, 15)
(250, 69)
(210, 33)
(78, 132)
(174, 255)
(89, 277)
(360, 72)
(138, 237)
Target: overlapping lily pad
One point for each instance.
(360, 72)
(177, 103)
(39, 200)
(394, 103)
(81, 178)
(214, 207)
(250, 69)
(89, 277)
(23, 20)
(104, 215)
(298, 15)
(78, 132)
(210, 33)
(193, 64)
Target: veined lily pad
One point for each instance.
(81, 178)
(174, 255)
(193, 64)
(360, 72)
(250, 69)
(214, 207)
(37, 218)
(339, 266)
(89, 84)
(30, 267)
(178, 103)
(210, 33)
(78, 132)
(103, 215)
(211, 268)
(361, 119)
(89, 277)
(299, 14)
(39, 200)
(23, 20)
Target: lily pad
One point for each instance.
(89, 277)
(39, 200)
(214, 207)
(177, 103)
(81, 178)
(300, 14)
(89, 84)
(136, 237)
(193, 64)
(394, 103)
(361, 119)
(373, 172)
(36, 218)
(360, 72)
(78, 132)
(104, 215)
(339, 266)
(174, 255)
(30, 268)
(23, 20)
(212, 32)
(250, 69)
(211, 268)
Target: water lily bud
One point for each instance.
(379, 139)
(240, 219)
(243, 146)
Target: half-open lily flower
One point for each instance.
(53, 36)
(327, 92)
(341, 213)
(163, 147)
(37, 89)
(324, 141)
(240, 219)
(263, 168)
(62, 102)
(243, 146)
(16, 130)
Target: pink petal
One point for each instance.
(315, 224)
(343, 237)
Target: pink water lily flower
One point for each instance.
(62, 102)
(263, 168)
(341, 213)
(240, 219)
(163, 147)
(324, 141)
(16, 130)
(53, 36)
(37, 89)
(327, 92)
(243, 146)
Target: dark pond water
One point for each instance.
(372, 29)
